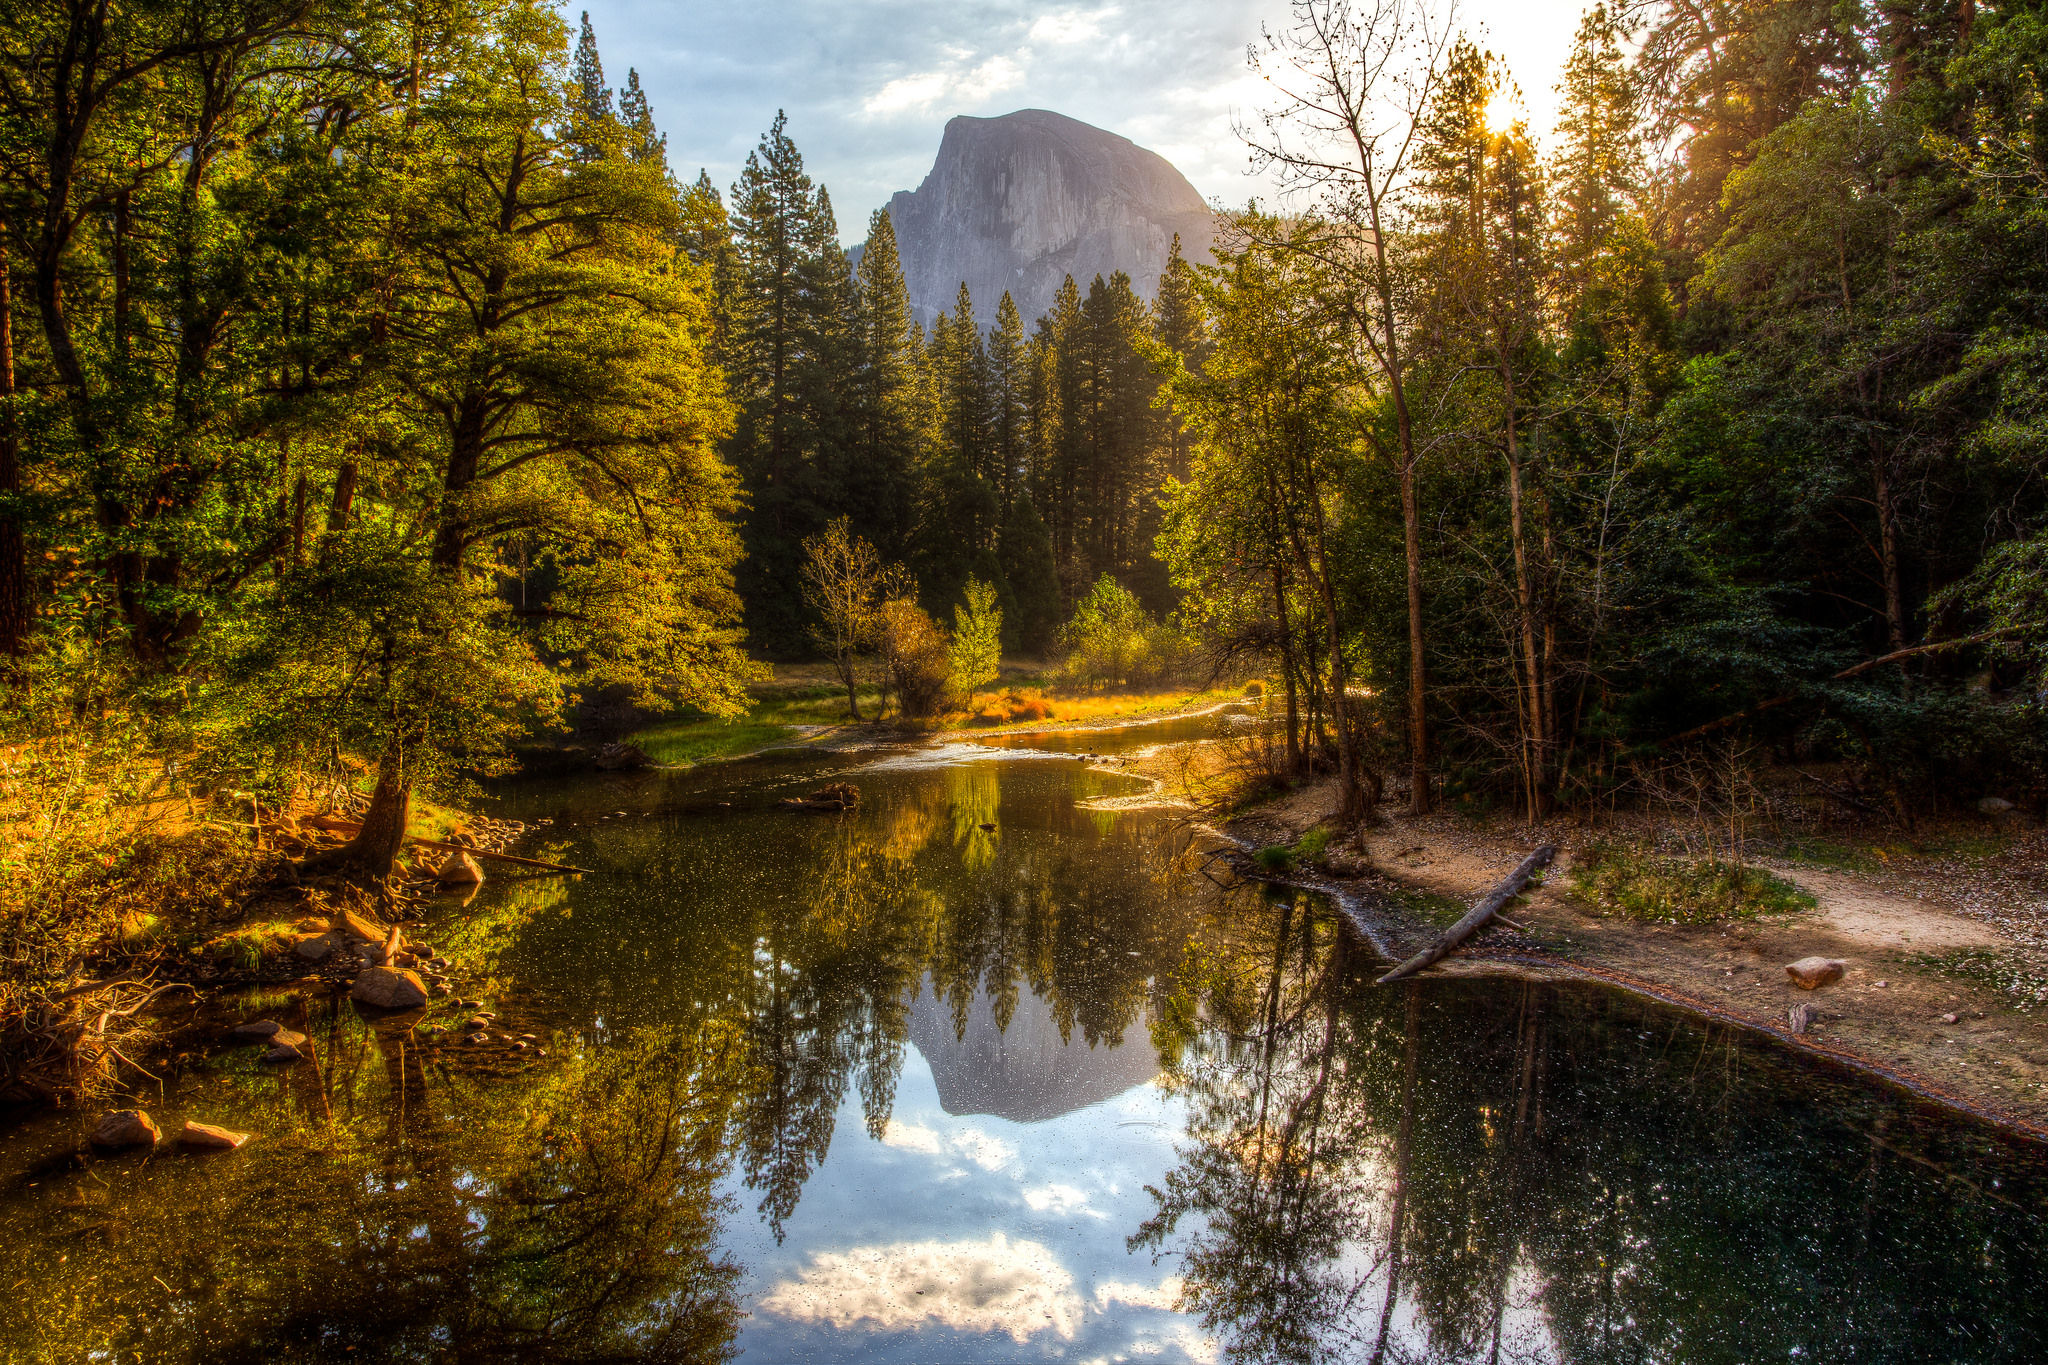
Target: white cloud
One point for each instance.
(1056, 1199)
(912, 1137)
(989, 1153)
(1069, 26)
(1018, 1288)
(1164, 1295)
(985, 1150)
(970, 86)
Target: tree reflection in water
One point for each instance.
(576, 1219)
(1464, 1171)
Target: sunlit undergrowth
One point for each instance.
(2012, 974)
(678, 743)
(1631, 880)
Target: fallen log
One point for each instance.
(334, 826)
(1477, 916)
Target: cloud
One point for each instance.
(1059, 1200)
(1018, 1288)
(906, 94)
(985, 1150)
(912, 1137)
(1069, 26)
(1163, 1295)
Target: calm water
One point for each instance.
(897, 1085)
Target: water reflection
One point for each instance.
(971, 1073)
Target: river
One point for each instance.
(990, 1070)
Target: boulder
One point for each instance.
(369, 931)
(387, 989)
(126, 1128)
(1811, 973)
(615, 757)
(284, 1052)
(460, 870)
(1994, 805)
(211, 1138)
(317, 947)
(255, 1031)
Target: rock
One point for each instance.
(386, 988)
(368, 931)
(460, 870)
(988, 826)
(518, 1046)
(1880, 984)
(1994, 805)
(284, 1052)
(208, 1136)
(615, 757)
(1800, 1016)
(476, 1039)
(1948, 1019)
(255, 1031)
(479, 1021)
(317, 947)
(126, 1128)
(1811, 973)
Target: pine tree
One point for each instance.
(591, 105)
(1177, 325)
(1008, 394)
(1600, 164)
(789, 359)
(886, 396)
(643, 142)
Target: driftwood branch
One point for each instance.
(334, 826)
(1477, 916)
(1851, 671)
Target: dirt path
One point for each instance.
(1886, 1015)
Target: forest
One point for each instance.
(373, 390)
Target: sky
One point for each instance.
(869, 84)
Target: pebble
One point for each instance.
(1948, 1019)
(477, 1038)
(478, 1021)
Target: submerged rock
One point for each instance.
(284, 1052)
(460, 870)
(211, 1138)
(126, 1128)
(386, 988)
(255, 1031)
(1811, 973)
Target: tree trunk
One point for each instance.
(374, 850)
(1403, 1139)
(13, 553)
(1287, 668)
(1888, 552)
(1535, 743)
(1419, 802)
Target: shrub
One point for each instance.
(1112, 640)
(916, 653)
(1276, 858)
(1646, 885)
(1011, 706)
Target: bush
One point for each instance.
(1012, 705)
(1645, 885)
(1112, 640)
(918, 658)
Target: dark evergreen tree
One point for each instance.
(643, 142)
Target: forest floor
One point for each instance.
(804, 707)
(1952, 925)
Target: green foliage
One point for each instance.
(1112, 640)
(976, 649)
(1640, 883)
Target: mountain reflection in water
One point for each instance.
(898, 1086)
(1026, 1071)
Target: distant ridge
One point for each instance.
(1021, 201)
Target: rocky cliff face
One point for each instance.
(1022, 201)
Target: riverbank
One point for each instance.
(1945, 989)
(1946, 942)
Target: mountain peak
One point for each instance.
(1020, 201)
